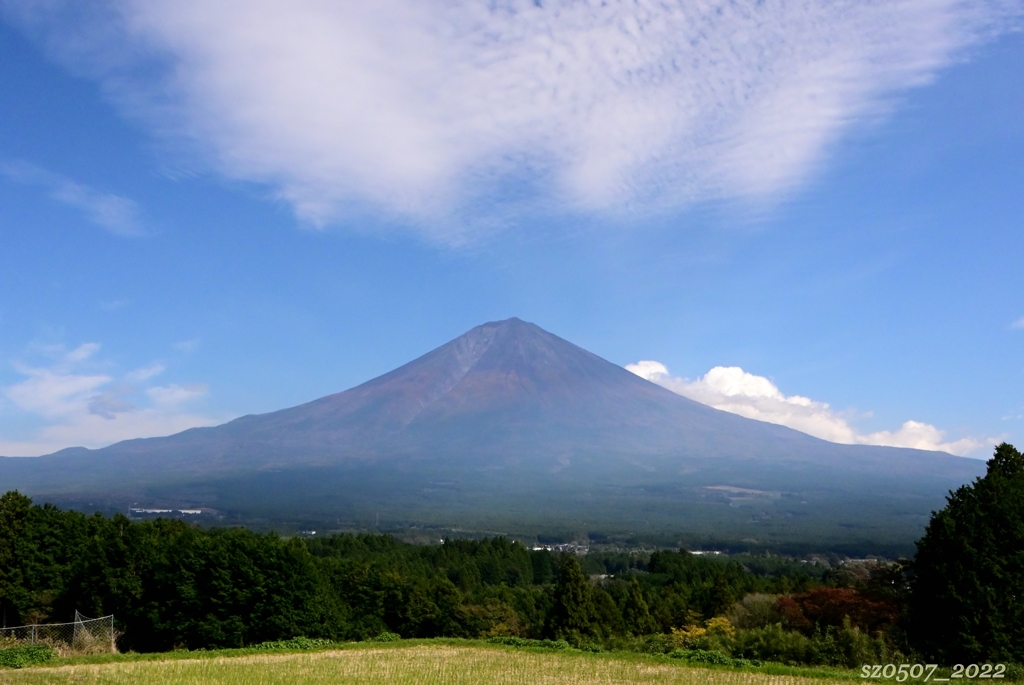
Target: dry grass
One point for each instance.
(418, 664)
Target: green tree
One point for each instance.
(967, 591)
(720, 597)
(573, 605)
(635, 613)
(14, 512)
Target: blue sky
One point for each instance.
(809, 215)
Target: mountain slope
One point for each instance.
(505, 411)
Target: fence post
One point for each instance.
(33, 639)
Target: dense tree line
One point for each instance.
(173, 585)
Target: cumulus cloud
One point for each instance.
(429, 110)
(734, 390)
(73, 402)
(115, 213)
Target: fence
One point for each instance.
(81, 636)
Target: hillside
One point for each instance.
(511, 425)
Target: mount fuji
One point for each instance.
(511, 426)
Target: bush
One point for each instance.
(756, 610)
(18, 657)
(703, 656)
(772, 643)
(720, 626)
(710, 639)
(846, 646)
(657, 644)
(526, 642)
(512, 641)
(850, 647)
(295, 643)
(386, 637)
(553, 644)
(1015, 672)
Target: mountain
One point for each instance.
(511, 425)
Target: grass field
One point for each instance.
(418, 663)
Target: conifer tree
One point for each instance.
(14, 513)
(967, 590)
(573, 602)
(636, 614)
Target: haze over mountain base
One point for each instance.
(509, 428)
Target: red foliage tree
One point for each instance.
(830, 606)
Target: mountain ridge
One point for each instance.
(505, 408)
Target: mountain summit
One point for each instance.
(506, 418)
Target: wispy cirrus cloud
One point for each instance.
(734, 390)
(73, 400)
(432, 110)
(115, 213)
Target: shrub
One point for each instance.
(657, 644)
(18, 657)
(295, 643)
(709, 639)
(720, 626)
(846, 646)
(1015, 672)
(386, 637)
(756, 610)
(772, 643)
(512, 641)
(702, 656)
(554, 644)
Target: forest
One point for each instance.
(171, 585)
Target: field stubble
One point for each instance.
(399, 665)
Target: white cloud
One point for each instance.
(115, 213)
(81, 353)
(53, 395)
(428, 110)
(732, 389)
(146, 372)
(74, 405)
(1019, 323)
(187, 346)
(174, 395)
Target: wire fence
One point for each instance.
(81, 636)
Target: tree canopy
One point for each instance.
(172, 584)
(967, 591)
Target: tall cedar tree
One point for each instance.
(573, 602)
(14, 511)
(636, 614)
(967, 593)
